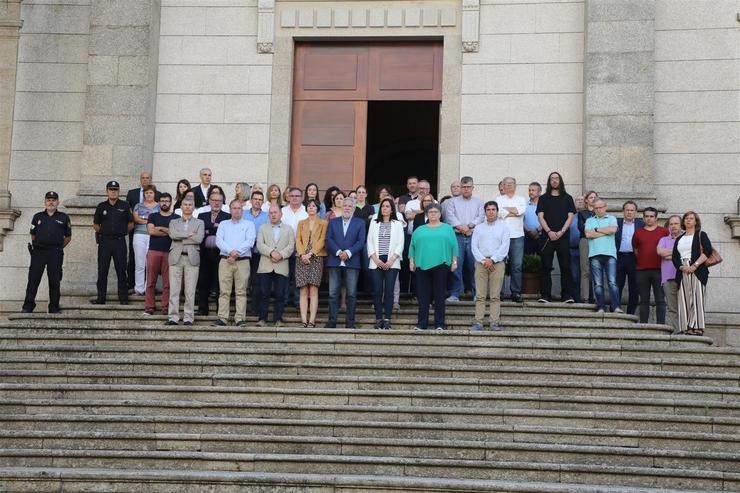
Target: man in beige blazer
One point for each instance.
(184, 258)
(276, 243)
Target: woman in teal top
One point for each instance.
(432, 256)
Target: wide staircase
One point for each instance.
(103, 398)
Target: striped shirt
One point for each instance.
(384, 238)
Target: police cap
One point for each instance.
(113, 185)
(52, 195)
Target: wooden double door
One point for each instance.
(332, 85)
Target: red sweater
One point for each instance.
(645, 244)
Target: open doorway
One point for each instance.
(402, 140)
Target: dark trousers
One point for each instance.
(50, 259)
(404, 275)
(290, 291)
(627, 271)
(549, 249)
(647, 280)
(432, 285)
(112, 248)
(384, 282)
(273, 284)
(256, 288)
(342, 277)
(207, 275)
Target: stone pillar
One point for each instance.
(118, 139)
(619, 80)
(10, 29)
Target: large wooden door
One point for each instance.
(331, 87)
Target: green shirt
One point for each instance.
(431, 247)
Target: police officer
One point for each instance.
(112, 222)
(51, 231)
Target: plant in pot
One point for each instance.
(531, 265)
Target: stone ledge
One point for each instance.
(734, 223)
(7, 223)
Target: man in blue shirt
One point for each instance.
(258, 217)
(602, 254)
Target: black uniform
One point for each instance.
(113, 221)
(48, 244)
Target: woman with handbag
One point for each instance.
(690, 254)
(311, 249)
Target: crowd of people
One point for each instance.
(281, 246)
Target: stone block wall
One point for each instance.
(697, 128)
(213, 94)
(522, 95)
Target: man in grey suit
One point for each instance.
(184, 258)
(276, 243)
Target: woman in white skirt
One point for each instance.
(690, 252)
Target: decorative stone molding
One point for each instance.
(265, 26)
(470, 25)
(7, 223)
(345, 17)
(734, 222)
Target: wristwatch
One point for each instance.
(596, 230)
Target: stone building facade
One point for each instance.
(633, 98)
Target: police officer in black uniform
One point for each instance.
(51, 231)
(112, 222)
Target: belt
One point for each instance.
(184, 253)
(626, 253)
(240, 258)
(112, 237)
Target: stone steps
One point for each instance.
(563, 399)
(187, 429)
(333, 396)
(379, 447)
(663, 474)
(495, 385)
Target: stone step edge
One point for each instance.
(371, 379)
(420, 394)
(482, 340)
(466, 352)
(203, 364)
(331, 424)
(364, 408)
(420, 443)
(405, 483)
(348, 459)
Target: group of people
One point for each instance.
(282, 246)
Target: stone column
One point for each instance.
(619, 80)
(10, 30)
(118, 139)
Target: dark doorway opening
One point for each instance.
(402, 140)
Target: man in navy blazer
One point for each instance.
(209, 253)
(626, 261)
(345, 237)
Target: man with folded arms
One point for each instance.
(234, 239)
(186, 233)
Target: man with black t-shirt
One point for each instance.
(555, 211)
(158, 227)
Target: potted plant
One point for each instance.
(531, 266)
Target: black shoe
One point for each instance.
(350, 326)
(26, 310)
(202, 313)
(187, 323)
(378, 324)
(123, 302)
(516, 298)
(55, 312)
(330, 326)
(219, 323)
(171, 322)
(386, 324)
(241, 323)
(98, 302)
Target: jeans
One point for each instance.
(384, 282)
(627, 271)
(338, 277)
(432, 285)
(599, 263)
(272, 283)
(516, 256)
(549, 249)
(647, 279)
(464, 276)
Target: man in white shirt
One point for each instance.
(490, 247)
(511, 210)
(234, 239)
(293, 213)
(464, 213)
